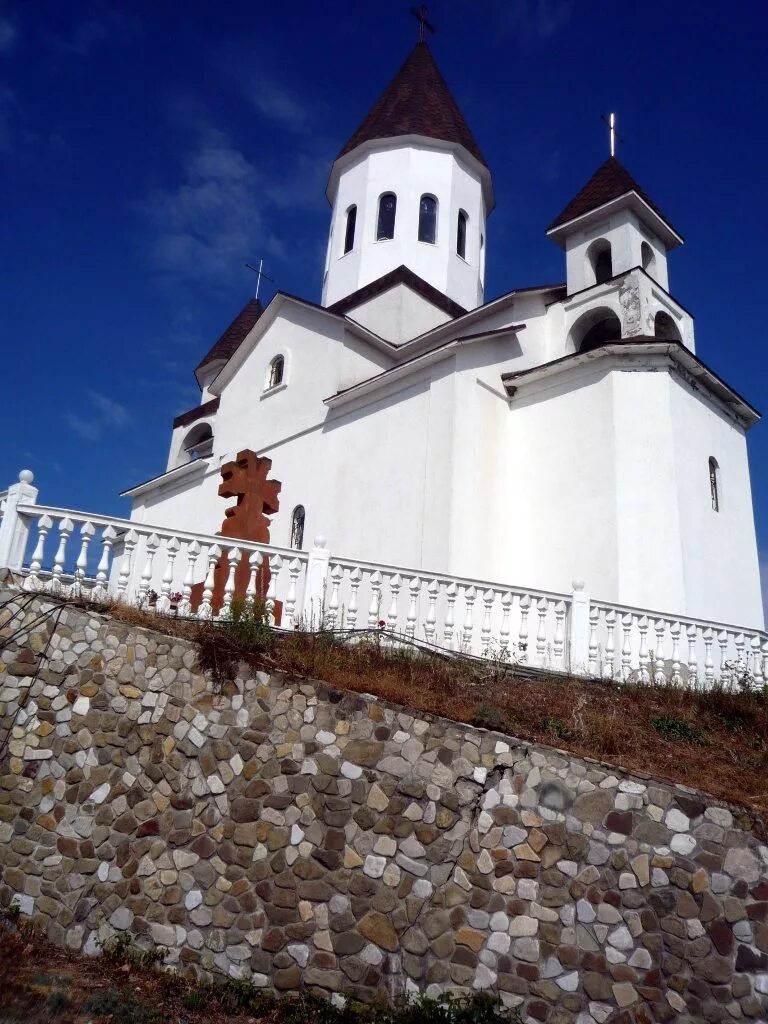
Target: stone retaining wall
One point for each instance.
(305, 837)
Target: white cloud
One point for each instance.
(105, 413)
(277, 103)
(9, 34)
(207, 226)
(108, 26)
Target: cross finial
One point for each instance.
(614, 136)
(420, 13)
(259, 272)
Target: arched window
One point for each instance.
(714, 484)
(647, 257)
(385, 227)
(198, 444)
(276, 372)
(297, 527)
(461, 234)
(427, 219)
(665, 328)
(593, 329)
(349, 233)
(599, 255)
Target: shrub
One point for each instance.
(676, 729)
(487, 717)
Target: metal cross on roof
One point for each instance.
(614, 136)
(259, 272)
(421, 16)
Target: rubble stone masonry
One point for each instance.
(305, 837)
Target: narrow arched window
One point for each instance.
(385, 227)
(349, 233)
(461, 234)
(427, 219)
(714, 484)
(599, 254)
(297, 527)
(649, 260)
(276, 372)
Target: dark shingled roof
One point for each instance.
(234, 335)
(416, 102)
(609, 181)
(400, 275)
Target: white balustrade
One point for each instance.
(137, 562)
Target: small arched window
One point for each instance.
(647, 257)
(349, 233)
(428, 219)
(461, 234)
(599, 254)
(714, 484)
(198, 444)
(385, 227)
(276, 372)
(297, 527)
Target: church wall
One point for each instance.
(722, 579)
(626, 234)
(398, 315)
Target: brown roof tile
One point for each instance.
(234, 335)
(416, 102)
(400, 275)
(609, 181)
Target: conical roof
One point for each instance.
(610, 181)
(416, 102)
(234, 335)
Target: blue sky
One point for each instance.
(148, 151)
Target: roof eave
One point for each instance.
(395, 141)
(661, 227)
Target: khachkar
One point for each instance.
(245, 478)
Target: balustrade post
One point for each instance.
(315, 581)
(14, 528)
(578, 630)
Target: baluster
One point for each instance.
(66, 526)
(205, 610)
(722, 643)
(542, 606)
(660, 629)
(395, 582)
(741, 663)
(610, 645)
(764, 649)
(233, 560)
(373, 607)
(470, 596)
(337, 574)
(294, 571)
(430, 624)
(485, 629)
(559, 645)
(354, 583)
(693, 661)
(757, 662)
(192, 552)
(709, 664)
(129, 546)
(414, 588)
(163, 605)
(626, 646)
(99, 592)
(153, 543)
(33, 582)
(87, 531)
(506, 609)
(448, 632)
(522, 634)
(594, 618)
(275, 564)
(676, 629)
(254, 563)
(642, 625)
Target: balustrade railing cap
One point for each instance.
(26, 476)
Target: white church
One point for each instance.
(557, 432)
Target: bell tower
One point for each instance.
(410, 188)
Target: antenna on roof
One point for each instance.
(614, 136)
(420, 14)
(259, 272)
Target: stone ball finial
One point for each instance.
(26, 476)
(320, 541)
(578, 584)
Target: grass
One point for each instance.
(713, 740)
(43, 984)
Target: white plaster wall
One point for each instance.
(409, 171)
(626, 233)
(398, 314)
